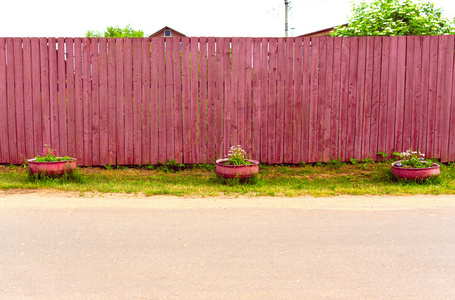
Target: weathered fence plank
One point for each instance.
(28, 107)
(128, 100)
(211, 120)
(4, 142)
(103, 103)
(94, 101)
(137, 101)
(170, 138)
(203, 99)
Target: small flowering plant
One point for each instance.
(412, 159)
(50, 154)
(237, 156)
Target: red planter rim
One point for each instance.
(33, 160)
(222, 160)
(435, 165)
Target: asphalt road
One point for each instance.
(59, 246)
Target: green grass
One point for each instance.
(330, 179)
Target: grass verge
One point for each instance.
(329, 179)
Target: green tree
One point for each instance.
(114, 32)
(395, 18)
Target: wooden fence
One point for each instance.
(285, 100)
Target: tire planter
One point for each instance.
(52, 167)
(415, 173)
(232, 171)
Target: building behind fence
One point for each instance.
(284, 100)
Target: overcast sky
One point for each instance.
(253, 18)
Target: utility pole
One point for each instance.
(286, 3)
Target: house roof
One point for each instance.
(165, 28)
(321, 30)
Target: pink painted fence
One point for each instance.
(285, 100)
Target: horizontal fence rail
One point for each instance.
(284, 100)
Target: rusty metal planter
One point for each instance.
(415, 173)
(52, 167)
(233, 171)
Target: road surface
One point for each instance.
(56, 245)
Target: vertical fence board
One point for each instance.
(447, 96)
(194, 126)
(258, 105)
(375, 99)
(219, 99)
(95, 101)
(87, 105)
(19, 95)
(305, 154)
(186, 100)
(248, 104)
(233, 90)
(170, 151)
(297, 111)
(288, 104)
(62, 99)
(104, 104)
(344, 97)
(53, 96)
(280, 99)
(360, 98)
(161, 102)
(367, 96)
(137, 101)
(128, 83)
(28, 105)
(400, 96)
(154, 102)
(272, 77)
(417, 102)
(120, 109)
(12, 137)
(313, 112)
(336, 88)
(392, 95)
(242, 68)
(432, 97)
(145, 100)
(112, 101)
(79, 120)
(211, 139)
(4, 142)
(203, 100)
(227, 93)
(178, 145)
(352, 101)
(327, 103)
(382, 120)
(263, 97)
(44, 73)
(451, 156)
(71, 105)
(408, 93)
(424, 90)
(321, 98)
(245, 130)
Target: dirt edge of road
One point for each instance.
(11, 199)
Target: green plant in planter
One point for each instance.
(50, 154)
(237, 156)
(412, 159)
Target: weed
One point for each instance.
(171, 166)
(382, 154)
(353, 161)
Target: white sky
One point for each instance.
(254, 18)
